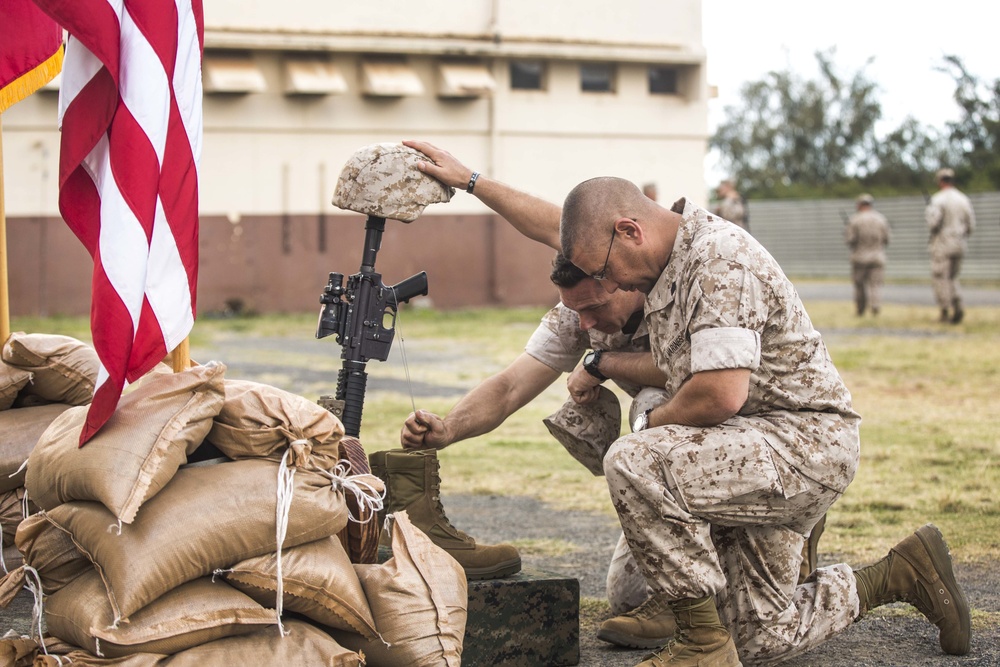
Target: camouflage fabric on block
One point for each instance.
(382, 180)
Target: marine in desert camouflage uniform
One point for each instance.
(731, 205)
(867, 234)
(950, 220)
(717, 488)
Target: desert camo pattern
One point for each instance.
(382, 180)
(950, 220)
(587, 430)
(724, 510)
(560, 343)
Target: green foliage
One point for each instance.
(797, 138)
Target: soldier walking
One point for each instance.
(951, 220)
(867, 236)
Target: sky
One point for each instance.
(745, 39)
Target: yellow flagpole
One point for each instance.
(4, 292)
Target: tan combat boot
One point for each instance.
(412, 483)
(918, 570)
(649, 625)
(701, 640)
(810, 550)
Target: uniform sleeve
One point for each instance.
(729, 306)
(558, 342)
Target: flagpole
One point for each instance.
(4, 292)
(181, 356)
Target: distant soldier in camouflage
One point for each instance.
(867, 235)
(950, 220)
(717, 488)
(732, 206)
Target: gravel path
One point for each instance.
(889, 637)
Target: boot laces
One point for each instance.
(653, 606)
(436, 495)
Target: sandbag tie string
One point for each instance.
(368, 497)
(36, 610)
(286, 487)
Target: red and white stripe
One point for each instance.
(130, 111)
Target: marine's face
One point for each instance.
(598, 309)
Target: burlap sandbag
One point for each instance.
(51, 552)
(156, 425)
(63, 369)
(12, 381)
(20, 430)
(419, 599)
(305, 646)
(194, 613)
(261, 421)
(12, 513)
(319, 583)
(206, 518)
(16, 651)
(12, 558)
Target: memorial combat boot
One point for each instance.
(701, 640)
(918, 570)
(649, 625)
(412, 483)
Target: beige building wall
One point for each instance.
(271, 156)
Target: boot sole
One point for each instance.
(498, 571)
(631, 641)
(935, 546)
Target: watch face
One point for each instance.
(639, 423)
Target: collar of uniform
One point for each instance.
(663, 291)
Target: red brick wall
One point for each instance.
(278, 264)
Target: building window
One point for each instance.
(662, 80)
(527, 75)
(597, 78)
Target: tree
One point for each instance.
(791, 135)
(976, 136)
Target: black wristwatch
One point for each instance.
(590, 362)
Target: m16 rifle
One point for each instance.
(363, 317)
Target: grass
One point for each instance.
(926, 392)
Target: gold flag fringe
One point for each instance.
(30, 81)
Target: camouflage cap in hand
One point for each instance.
(382, 180)
(587, 430)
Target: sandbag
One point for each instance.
(12, 381)
(192, 614)
(319, 582)
(63, 369)
(261, 421)
(20, 430)
(156, 425)
(12, 513)
(51, 552)
(419, 599)
(305, 645)
(206, 518)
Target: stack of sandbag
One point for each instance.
(129, 542)
(41, 376)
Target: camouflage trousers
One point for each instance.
(705, 512)
(868, 280)
(944, 279)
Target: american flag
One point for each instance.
(30, 51)
(130, 110)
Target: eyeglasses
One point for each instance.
(603, 273)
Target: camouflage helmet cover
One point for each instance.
(382, 180)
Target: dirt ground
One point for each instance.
(889, 637)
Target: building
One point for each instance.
(540, 95)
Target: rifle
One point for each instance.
(363, 317)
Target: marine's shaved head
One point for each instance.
(593, 205)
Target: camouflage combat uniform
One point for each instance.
(733, 209)
(951, 221)
(867, 235)
(724, 510)
(559, 343)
